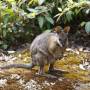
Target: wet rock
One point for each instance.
(72, 50)
(46, 83)
(82, 86)
(21, 81)
(11, 52)
(82, 67)
(60, 79)
(15, 76)
(3, 82)
(85, 65)
(32, 85)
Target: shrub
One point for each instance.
(22, 20)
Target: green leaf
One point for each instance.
(4, 46)
(6, 19)
(10, 0)
(69, 15)
(87, 11)
(31, 15)
(87, 27)
(82, 24)
(32, 10)
(4, 33)
(48, 30)
(41, 21)
(40, 2)
(49, 19)
(1, 42)
(60, 9)
(77, 11)
(9, 12)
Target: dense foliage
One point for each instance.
(22, 20)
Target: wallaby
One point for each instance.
(46, 48)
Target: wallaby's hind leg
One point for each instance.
(51, 67)
(42, 73)
(41, 70)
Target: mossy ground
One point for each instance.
(66, 80)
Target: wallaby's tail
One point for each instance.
(26, 66)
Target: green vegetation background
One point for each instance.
(22, 20)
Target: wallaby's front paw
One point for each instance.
(40, 74)
(54, 71)
(51, 70)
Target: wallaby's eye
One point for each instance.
(63, 41)
(60, 39)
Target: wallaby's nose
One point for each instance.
(63, 44)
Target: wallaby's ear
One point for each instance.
(57, 29)
(67, 29)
